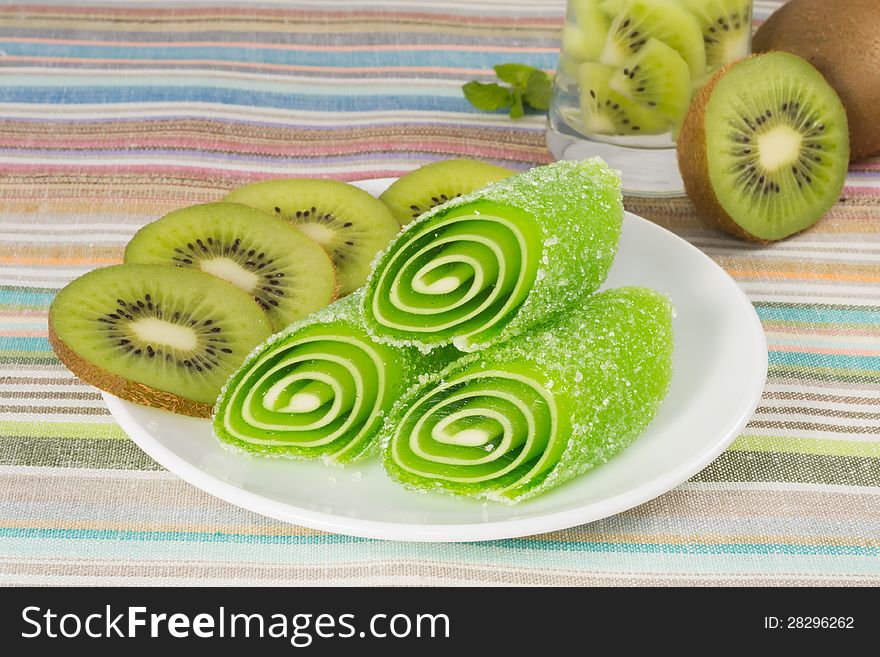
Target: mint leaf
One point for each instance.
(529, 86)
(487, 96)
(516, 109)
(538, 90)
(515, 74)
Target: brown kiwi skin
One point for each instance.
(693, 162)
(841, 40)
(122, 387)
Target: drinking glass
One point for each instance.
(627, 72)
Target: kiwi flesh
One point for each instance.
(764, 147)
(432, 184)
(726, 26)
(606, 112)
(286, 272)
(611, 7)
(155, 334)
(664, 20)
(348, 223)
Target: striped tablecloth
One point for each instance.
(114, 113)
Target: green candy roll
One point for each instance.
(318, 389)
(489, 265)
(511, 422)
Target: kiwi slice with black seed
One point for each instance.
(348, 223)
(155, 334)
(764, 147)
(286, 272)
(606, 112)
(433, 184)
(725, 26)
(664, 20)
(657, 78)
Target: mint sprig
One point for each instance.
(526, 86)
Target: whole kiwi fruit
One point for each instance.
(842, 40)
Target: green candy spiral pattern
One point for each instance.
(489, 265)
(529, 414)
(319, 389)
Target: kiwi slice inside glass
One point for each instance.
(665, 20)
(286, 272)
(764, 148)
(348, 223)
(155, 334)
(583, 34)
(657, 78)
(432, 184)
(726, 26)
(606, 112)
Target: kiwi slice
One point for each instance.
(665, 20)
(432, 184)
(606, 112)
(657, 78)
(155, 334)
(579, 46)
(764, 147)
(348, 223)
(287, 273)
(585, 29)
(726, 26)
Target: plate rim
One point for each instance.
(463, 532)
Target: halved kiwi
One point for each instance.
(286, 272)
(432, 184)
(726, 26)
(606, 112)
(348, 223)
(656, 77)
(779, 145)
(155, 334)
(664, 20)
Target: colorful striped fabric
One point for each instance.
(113, 113)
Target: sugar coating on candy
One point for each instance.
(575, 209)
(606, 367)
(254, 414)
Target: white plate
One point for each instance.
(720, 366)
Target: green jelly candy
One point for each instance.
(489, 265)
(318, 389)
(529, 414)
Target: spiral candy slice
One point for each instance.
(489, 265)
(318, 389)
(521, 417)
